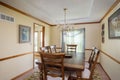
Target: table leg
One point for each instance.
(40, 66)
(79, 75)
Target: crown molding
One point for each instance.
(10, 7)
(110, 9)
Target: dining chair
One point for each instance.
(53, 67)
(53, 48)
(45, 49)
(87, 73)
(91, 57)
(40, 67)
(59, 49)
(71, 48)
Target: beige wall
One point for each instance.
(111, 46)
(55, 36)
(9, 45)
(92, 35)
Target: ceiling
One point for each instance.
(51, 11)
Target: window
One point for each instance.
(76, 36)
(36, 41)
(41, 38)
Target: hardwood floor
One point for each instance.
(98, 67)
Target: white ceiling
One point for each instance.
(51, 11)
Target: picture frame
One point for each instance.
(114, 25)
(24, 34)
(103, 33)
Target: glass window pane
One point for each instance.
(74, 37)
(36, 41)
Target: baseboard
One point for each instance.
(22, 74)
(104, 71)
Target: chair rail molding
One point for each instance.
(14, 56)
(107, 54)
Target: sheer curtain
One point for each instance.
(76, 36)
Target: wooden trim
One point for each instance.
(33, 42)
(10, 57)
(58, 48)
(10, 7)
(22, 74)
(43, 39)
(104, 71)
(88, 49)
(110, 57)
(80, 23)
(38, 24)
(87, 23)
(43, 30)
(111, 8)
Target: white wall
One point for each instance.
(111, 46)
(9, 45)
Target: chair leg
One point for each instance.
(41, 71)
(41, 76)
(71, 77)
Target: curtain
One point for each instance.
(76, 36)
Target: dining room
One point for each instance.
(27, 26)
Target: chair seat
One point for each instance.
(56, 78)
(86, 74)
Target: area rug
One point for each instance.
(36, 76)
(96, 75)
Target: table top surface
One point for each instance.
(76, 61)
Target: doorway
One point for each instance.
(38, 41)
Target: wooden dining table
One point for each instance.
(74, 62)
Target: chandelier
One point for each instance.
(65, 26)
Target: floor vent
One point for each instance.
(6, 17)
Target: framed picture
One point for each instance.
(103, 33)
(24, 34)
(114, 25)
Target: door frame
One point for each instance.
(43, 38)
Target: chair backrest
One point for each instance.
(93, 64)
(53, 48)
(45, 49)
(53, 65)
(71, 47)
(92, 55)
